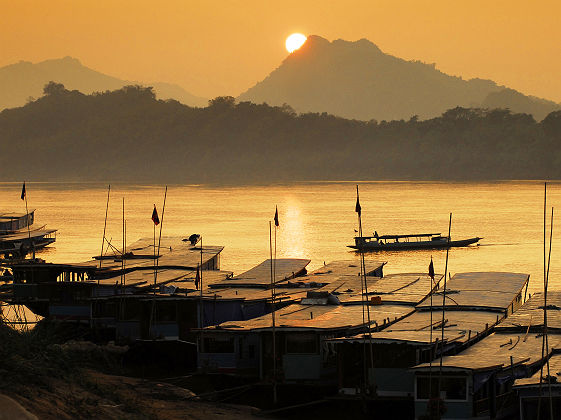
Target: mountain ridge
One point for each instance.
(24, 81)
(357, 80)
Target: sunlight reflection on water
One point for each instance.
(317, 221)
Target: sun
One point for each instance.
(295, 41)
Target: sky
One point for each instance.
(223, 47)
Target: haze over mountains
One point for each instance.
(24, 80)
(354, 80)
(128, 135)
(357, 80)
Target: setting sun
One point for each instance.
(295, 41)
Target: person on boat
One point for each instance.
(376, 234)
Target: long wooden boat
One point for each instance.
(19, 237)
(407, 242)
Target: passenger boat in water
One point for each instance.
(406, 242)
(18, 236)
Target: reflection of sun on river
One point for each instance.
(317, 221)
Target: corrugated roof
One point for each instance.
(534, 380)
(486, 290)
(531, 313)
(285, 268)
(174, 253)
(496, 350)
(325, 317)
(415, 328)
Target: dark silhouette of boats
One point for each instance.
(18, 236)
(406, 242)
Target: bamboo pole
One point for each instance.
(104, 228)
(443, 319)
(273, 318)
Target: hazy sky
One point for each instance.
(223, 47)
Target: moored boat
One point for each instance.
(406, 242)
(18, 237)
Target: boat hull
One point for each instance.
(404, 246)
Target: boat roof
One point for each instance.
(336, 273)
(173, 253)
(495, 352)
(484, 290)
(411, 235)
(459, 326)
(317, 317)
(260, 275)
(531, 313)
(405, 288)
(22, 235)
(15, 215)
(534, 380)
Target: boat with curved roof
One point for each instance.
(407, 242)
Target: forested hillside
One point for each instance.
(128, 135)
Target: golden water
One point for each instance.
(317, 221)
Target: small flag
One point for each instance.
(276, 216)
(23, 192)
(155, 217)
(197, 279)
(357, 207)
(431, 269)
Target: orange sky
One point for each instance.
(222, 47)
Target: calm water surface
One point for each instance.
(317, 221)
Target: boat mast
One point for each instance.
(364, 301)
(443, 320)
(273, 317)
(545, 341)
(104, 228)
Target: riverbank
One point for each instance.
(52, 377)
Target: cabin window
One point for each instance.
(165, 312)
(302, 343)
(219, 345)
(452, 387)
(131, 311)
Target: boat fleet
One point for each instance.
(345, 334)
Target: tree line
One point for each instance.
(128, 135)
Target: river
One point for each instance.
(317, 221)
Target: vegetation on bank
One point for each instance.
(128, 135)
(53, 374)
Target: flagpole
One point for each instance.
(273, 319)
(363, 278)
(443, 314)
(431, 279)
(27, 218)
(160, 237)
(104, 229)
(201, 295)
(24, 193)
(124, 247)
(154, 245)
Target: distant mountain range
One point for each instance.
(128, 135)
(353, 80)
(23, 81)
(357, 80)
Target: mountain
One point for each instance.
(23, 81)
(357, 80)
(129, 135)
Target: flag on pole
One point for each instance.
(431, 269)
(276, 216)
(197, 279)
(155, 217)
(357, 207)
(23, 192)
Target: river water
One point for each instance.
(317, 221)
